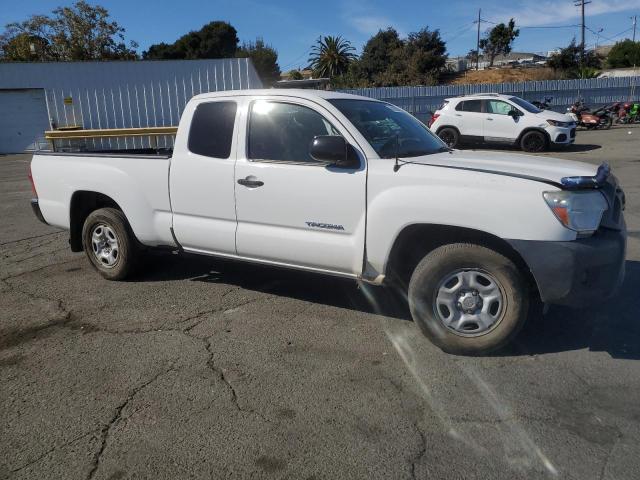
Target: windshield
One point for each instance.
(526, 105)
(389, 129)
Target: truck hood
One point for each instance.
(546, 169)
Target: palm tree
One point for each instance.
(330, 56)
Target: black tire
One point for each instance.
(127, 248)
(434, 268)
(450, 136)
(533, 142)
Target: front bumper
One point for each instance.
(577, 273)
(36, 210)
(562, 135)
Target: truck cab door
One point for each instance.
(291, 208)
(201, 178)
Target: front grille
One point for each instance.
(572, 133)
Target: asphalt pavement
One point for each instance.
(199, 368)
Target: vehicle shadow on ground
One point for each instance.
(309, 287)
(612, 327)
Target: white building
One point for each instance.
(35, 97)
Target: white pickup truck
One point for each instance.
(349, 186)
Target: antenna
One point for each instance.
(396, 167)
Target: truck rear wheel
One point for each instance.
(109, 244)
(468, 299)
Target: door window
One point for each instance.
(470, 106)
(211, 129)
(499, 107)
(283, 132)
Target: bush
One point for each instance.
(624, 54)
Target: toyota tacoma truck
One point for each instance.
(349, 186)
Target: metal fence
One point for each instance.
(422, 101)
(121, 94)
(151, 103)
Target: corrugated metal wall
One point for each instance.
(126, 94)
(421, 101)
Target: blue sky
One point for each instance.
(292, 26)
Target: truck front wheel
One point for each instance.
(468, 299)
(109, 244)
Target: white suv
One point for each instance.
(495, 118)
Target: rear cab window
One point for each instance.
(211, 131)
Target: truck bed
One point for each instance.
(139, 180)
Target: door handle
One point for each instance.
(250, 182)
(489, 118)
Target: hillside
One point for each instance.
(501, 75)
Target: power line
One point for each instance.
(611, 39)
(296, 60)
(550, 26)
(484, 20)
(458, 33)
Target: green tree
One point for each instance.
(214, 40)
(624, 54)
(79, 32)
(381, 54)
(330, 56)
(426, 55)
(498, 40)
(24, 47)
(568, 61)
(295, 75)
(264, 59)
(388, 60)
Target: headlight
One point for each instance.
(579, 211)
(555, 123)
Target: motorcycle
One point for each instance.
(587, 119)
(544, 104)
(605, 117)
(628, 112)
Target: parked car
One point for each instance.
(349, 186)
(495, 118)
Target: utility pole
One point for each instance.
(478, 43)
(581, 4)
(635, 19)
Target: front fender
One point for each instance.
(503, 206)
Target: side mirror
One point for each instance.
(334, 150)
(514, 113)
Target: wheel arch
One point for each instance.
(83, 202)
(415, 241)
(439, 129)
(534, 129)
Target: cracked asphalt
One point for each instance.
(200, 368)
